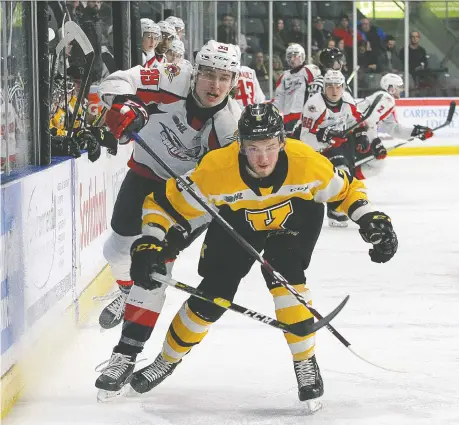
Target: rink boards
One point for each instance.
(53, 227)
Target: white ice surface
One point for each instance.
(403, 314)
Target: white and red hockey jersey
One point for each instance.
(153, 60)
(317, 115)
(248, 90)
(383, 117)
(291, 94)
(178, 131)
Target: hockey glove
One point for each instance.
(376, 228)
(147, 257)
(105, 139)
(378, 149)
(328, 138)
(422, 132)
(362, 143)
(65, 146)
(88, 141)
(127, 114)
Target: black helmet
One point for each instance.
(260, 121)
(328, 58)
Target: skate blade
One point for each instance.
(336, 223)
(131, 392)
(104, 396)
(313, 406)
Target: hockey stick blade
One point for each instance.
(73, 31)
(449, 118)
(298, 329)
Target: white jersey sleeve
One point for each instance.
(312, 118)
(279, 94)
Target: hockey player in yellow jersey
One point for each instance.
(271, 191)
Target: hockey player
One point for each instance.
(248, 90)
(168, 35)
(293, 87)
(151, 34)
(182, 112)
(326, 114)
(176, 52)
(385, 118)
(271, 191)
(178, 24)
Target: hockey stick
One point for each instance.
(298, 329)
(351, 77)
(249, 248)
(449, 119)
(73, 32)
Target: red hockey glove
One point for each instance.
(422, 132)
(329, 138)
(127, 114)
(362, 143)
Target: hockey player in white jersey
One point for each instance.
(384, 118)
(248, 90)
(168, 35)
(324, 117)
(151, 35)
(176, 53)
(293, 87)
(178, 24)
(182, 112)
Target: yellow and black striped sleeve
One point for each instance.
(339, 187)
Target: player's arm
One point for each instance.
(349, 196)
(160, 212)
(259, 96)
(279, 95)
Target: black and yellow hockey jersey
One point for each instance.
(276, 202)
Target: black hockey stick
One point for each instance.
(298, 329)
(449, 119)
(249, 248)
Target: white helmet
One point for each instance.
(295, 50)
(176, 22)
(147, 25)
(333, 76)
(315, 70)
(391, 80)
(177, 46)
(167, 28)
(219, 56)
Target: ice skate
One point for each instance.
(149, 377)
(112, 315)
(310, 384)
(115, 375)
(337, 219)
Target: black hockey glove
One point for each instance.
(329, 137)
(88, 141)
(105, 139)
(422, 132)
(65, 146)
(376, 228)
(378, 149)
(147, 257)
(128, 113)
(362, 143)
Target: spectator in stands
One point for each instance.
(226, 32)
(372, 34)
(366, 59)
(260, 68)
(296, 35)
(340, 46)
(279, 38)
(417, 54)
(388, 60)
(344, 31)
(278, 69)
(320, 36)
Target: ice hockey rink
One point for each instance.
(403, 314)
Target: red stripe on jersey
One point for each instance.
(149, 96)
(358, 173)
(319, 121)
(196, 123)
(309, 74)
(125, 283)
(383, 116)
(279, 81)
(154, 59)
(140, 315)
(291, 117)
(355, 113)
(213, 140)
(142, 170)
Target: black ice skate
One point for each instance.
(310, 384)
(149, 377)
(337, 219)
(115, 375)
(112, 315)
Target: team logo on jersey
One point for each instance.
(176, 148)
(172, 70)
(271, 218)
(181, 127)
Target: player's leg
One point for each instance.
(222, 265)
(290, 254)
